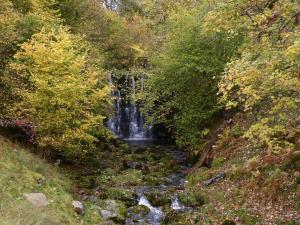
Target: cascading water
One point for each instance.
(170, 188)
(155, 215)
(128, 122)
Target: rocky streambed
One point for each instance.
(155, 201)
(140, 186)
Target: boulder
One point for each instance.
(36, 199)
(78, 207)
(217, 178)
(113, 210)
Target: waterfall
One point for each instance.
(155, 215)
(128, 122)
(114, 123)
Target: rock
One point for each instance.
(215, 179)
(93, 198)
(159, 198)
(78, 207)
(137, 214)
(133, 165)
(139, 209)
(113, 210)
(36, 199)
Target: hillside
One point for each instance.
(23, 172)
(247, 186)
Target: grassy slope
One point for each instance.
(257, 190)
(19, 173)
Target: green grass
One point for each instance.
(19, 174)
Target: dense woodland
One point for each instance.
(222, 82)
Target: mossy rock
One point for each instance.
(140, 209)
(124, 195)
(192, 199)
(113, 210)
(137, 214)
(159, 198)
(178, 218)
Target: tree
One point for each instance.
(265, 79)
(61, 94)
(184, 85)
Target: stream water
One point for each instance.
(128, 123)
(173, 183)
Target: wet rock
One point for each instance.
(36, 199)
(137, 214)
(177, 180)
(113, 210)
(215, 179)
(78, 207)
(159, 198)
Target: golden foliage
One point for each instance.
(61, 95)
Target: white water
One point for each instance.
(155, 215)
(128, 122)
(176, 205)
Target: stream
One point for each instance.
(173, 184)
(128, 124)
